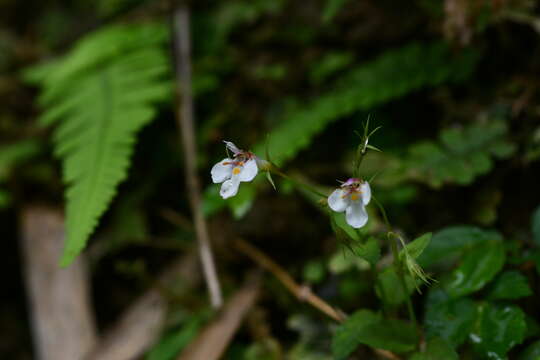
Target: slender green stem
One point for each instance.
(399, 270)
(277, 171)
(397, 263)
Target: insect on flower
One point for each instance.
(352, 197)
(230, 172)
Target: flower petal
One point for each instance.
(221, 171)
(235, 150)
(366, 192)
(356, 214)
(249, 170)
(230, 187)
(337, 201)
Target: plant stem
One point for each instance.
(274, 169)
(399, 271)
(398, 266)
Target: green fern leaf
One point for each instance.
(460, 155)
(99, 98)
(393, 74)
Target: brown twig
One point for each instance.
(303, 293)
(184, 116)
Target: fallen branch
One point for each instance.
(139, 327)
(213, 340)
(59, 298)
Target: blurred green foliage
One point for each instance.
(452, 83)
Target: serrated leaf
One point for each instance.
(478, 267)
(365, 327)
(447, 244)
(348, 335)
(390, 289)
(437, 349)
(99, 96)
(449, 319)
(391, 75)
(510, 285)
(497, 330)
(460, 155)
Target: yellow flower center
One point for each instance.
(236, 171)
(354, 197)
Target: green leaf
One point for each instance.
(370, 251)
(510, 285)
(497, 329)
(437, 349)
(416, 247)
(448, 244)
(478, 267)
(391, 75)
(341, 228)
(532, 352)
(16, 153)
(460, 155)
(100, 95)
(388, 282)
(449, 319)
(536, 226)
(365, 327)
(348, 335)
(391, 334)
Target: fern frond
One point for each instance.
(99, 96)
(393, 74)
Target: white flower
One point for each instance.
(352, 197)
(230, 172)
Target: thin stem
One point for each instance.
(398, 266)
(277, 171)
(184, 116)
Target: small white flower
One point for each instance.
(230, 172)
(352, 197)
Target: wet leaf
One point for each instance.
(510, 285)
(497, 329)
(449, 319)
(477, 268)
(437, 349)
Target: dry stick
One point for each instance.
(184, 116)
(214, 339)
(139, 326)
(301, 292)
(59, 298)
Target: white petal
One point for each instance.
(337, 201)
(356, 214)
(366, 192)
(221, 171)
(232, 147)
(249, 170)
(230, 187)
